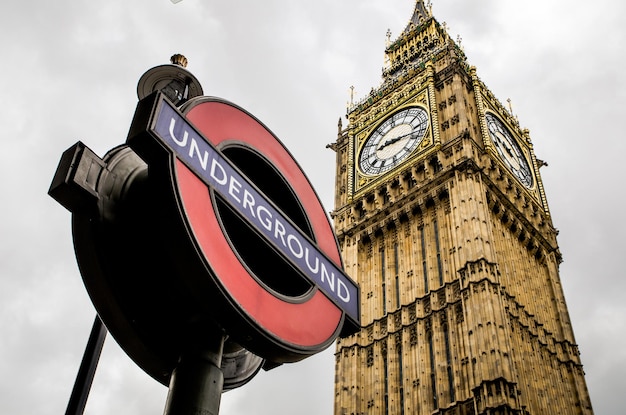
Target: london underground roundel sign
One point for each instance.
(272, 271)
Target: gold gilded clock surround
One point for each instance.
(367, 121)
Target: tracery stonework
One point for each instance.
(443, 222)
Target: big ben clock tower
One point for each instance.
(442, 219)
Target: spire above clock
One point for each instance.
(421, 14)
(422, 39)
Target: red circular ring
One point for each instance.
(305, 323)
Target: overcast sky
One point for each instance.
(69, 72)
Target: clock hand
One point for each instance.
(394, 140)
(390, 142)
(505, 142)
(508, 148)
(509, 153)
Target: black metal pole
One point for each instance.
(87, 370)
(197, 382)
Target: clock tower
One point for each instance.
(442, 219)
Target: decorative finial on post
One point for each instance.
(511, 110)
(351, 96)
(176, 82)
(178, 59)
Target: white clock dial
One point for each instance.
(393, 141)
(509, 150)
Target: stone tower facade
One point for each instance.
(442, 219)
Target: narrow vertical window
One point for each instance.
(395, 258)
(433, 376)
(397, 272)
(397, 292)
(400, 374)
(449, 363)
(424, 266)
(384, 299)
(383, 277)
(386, 374)
(439, 267)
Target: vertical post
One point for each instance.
(197, 381)
(87, 369)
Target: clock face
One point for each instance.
(393, 140)
(509, 150)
